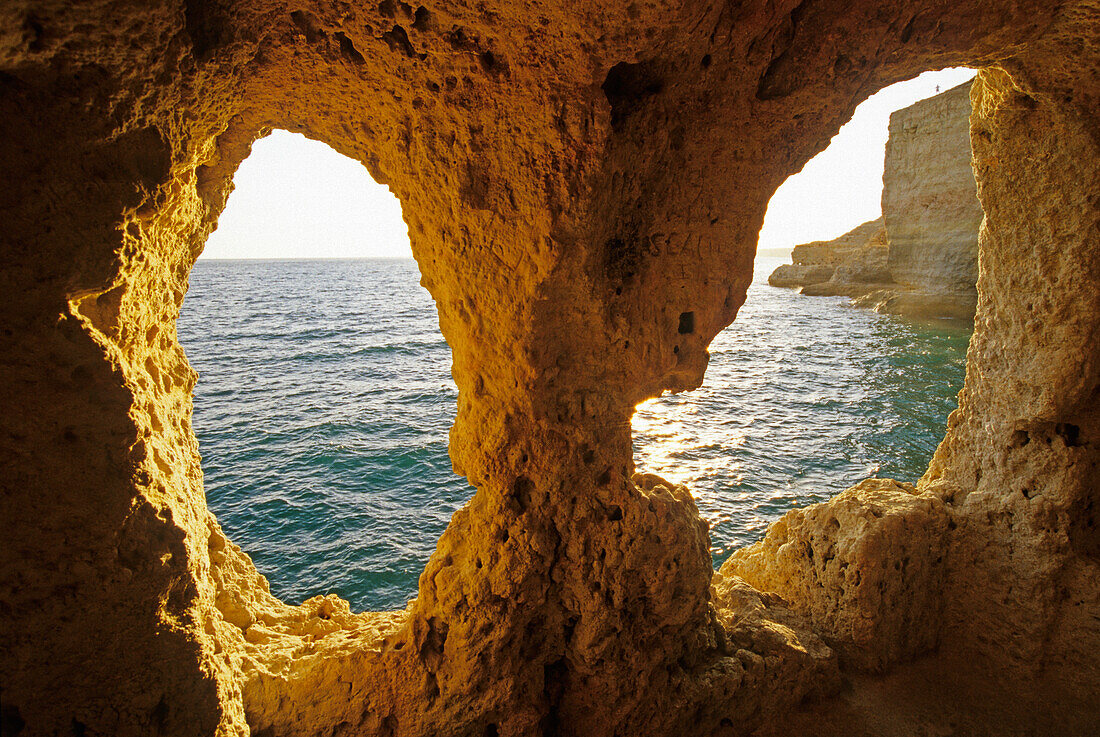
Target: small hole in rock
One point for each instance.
(1019, 439)
(628, 87)
(347, 48)
(1069, 433)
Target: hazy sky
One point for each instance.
(841, 187)
(297, 198)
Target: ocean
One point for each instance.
(325, 397)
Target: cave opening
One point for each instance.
(324, 396)
(806, 394)
(576, 600)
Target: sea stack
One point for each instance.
(921, 257)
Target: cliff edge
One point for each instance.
(921, 257)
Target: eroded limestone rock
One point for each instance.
(583, 186)
(866, 568)
(1021, 459)
(799, 275)
(929, 200)
(852, 264)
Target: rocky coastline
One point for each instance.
(920, 258)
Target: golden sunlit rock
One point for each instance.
(583, 185)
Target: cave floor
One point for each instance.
(934, 696)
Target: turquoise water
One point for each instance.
(804, 397)
(325, 397)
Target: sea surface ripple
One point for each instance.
(325, 398)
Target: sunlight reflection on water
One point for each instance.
(325, 399)
(804, 397)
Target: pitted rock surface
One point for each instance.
(577, 178)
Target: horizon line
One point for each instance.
(364, 258)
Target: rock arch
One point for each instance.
(575, 179)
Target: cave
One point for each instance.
(575, 180)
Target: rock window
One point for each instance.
(324, 395)
(805, 397)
